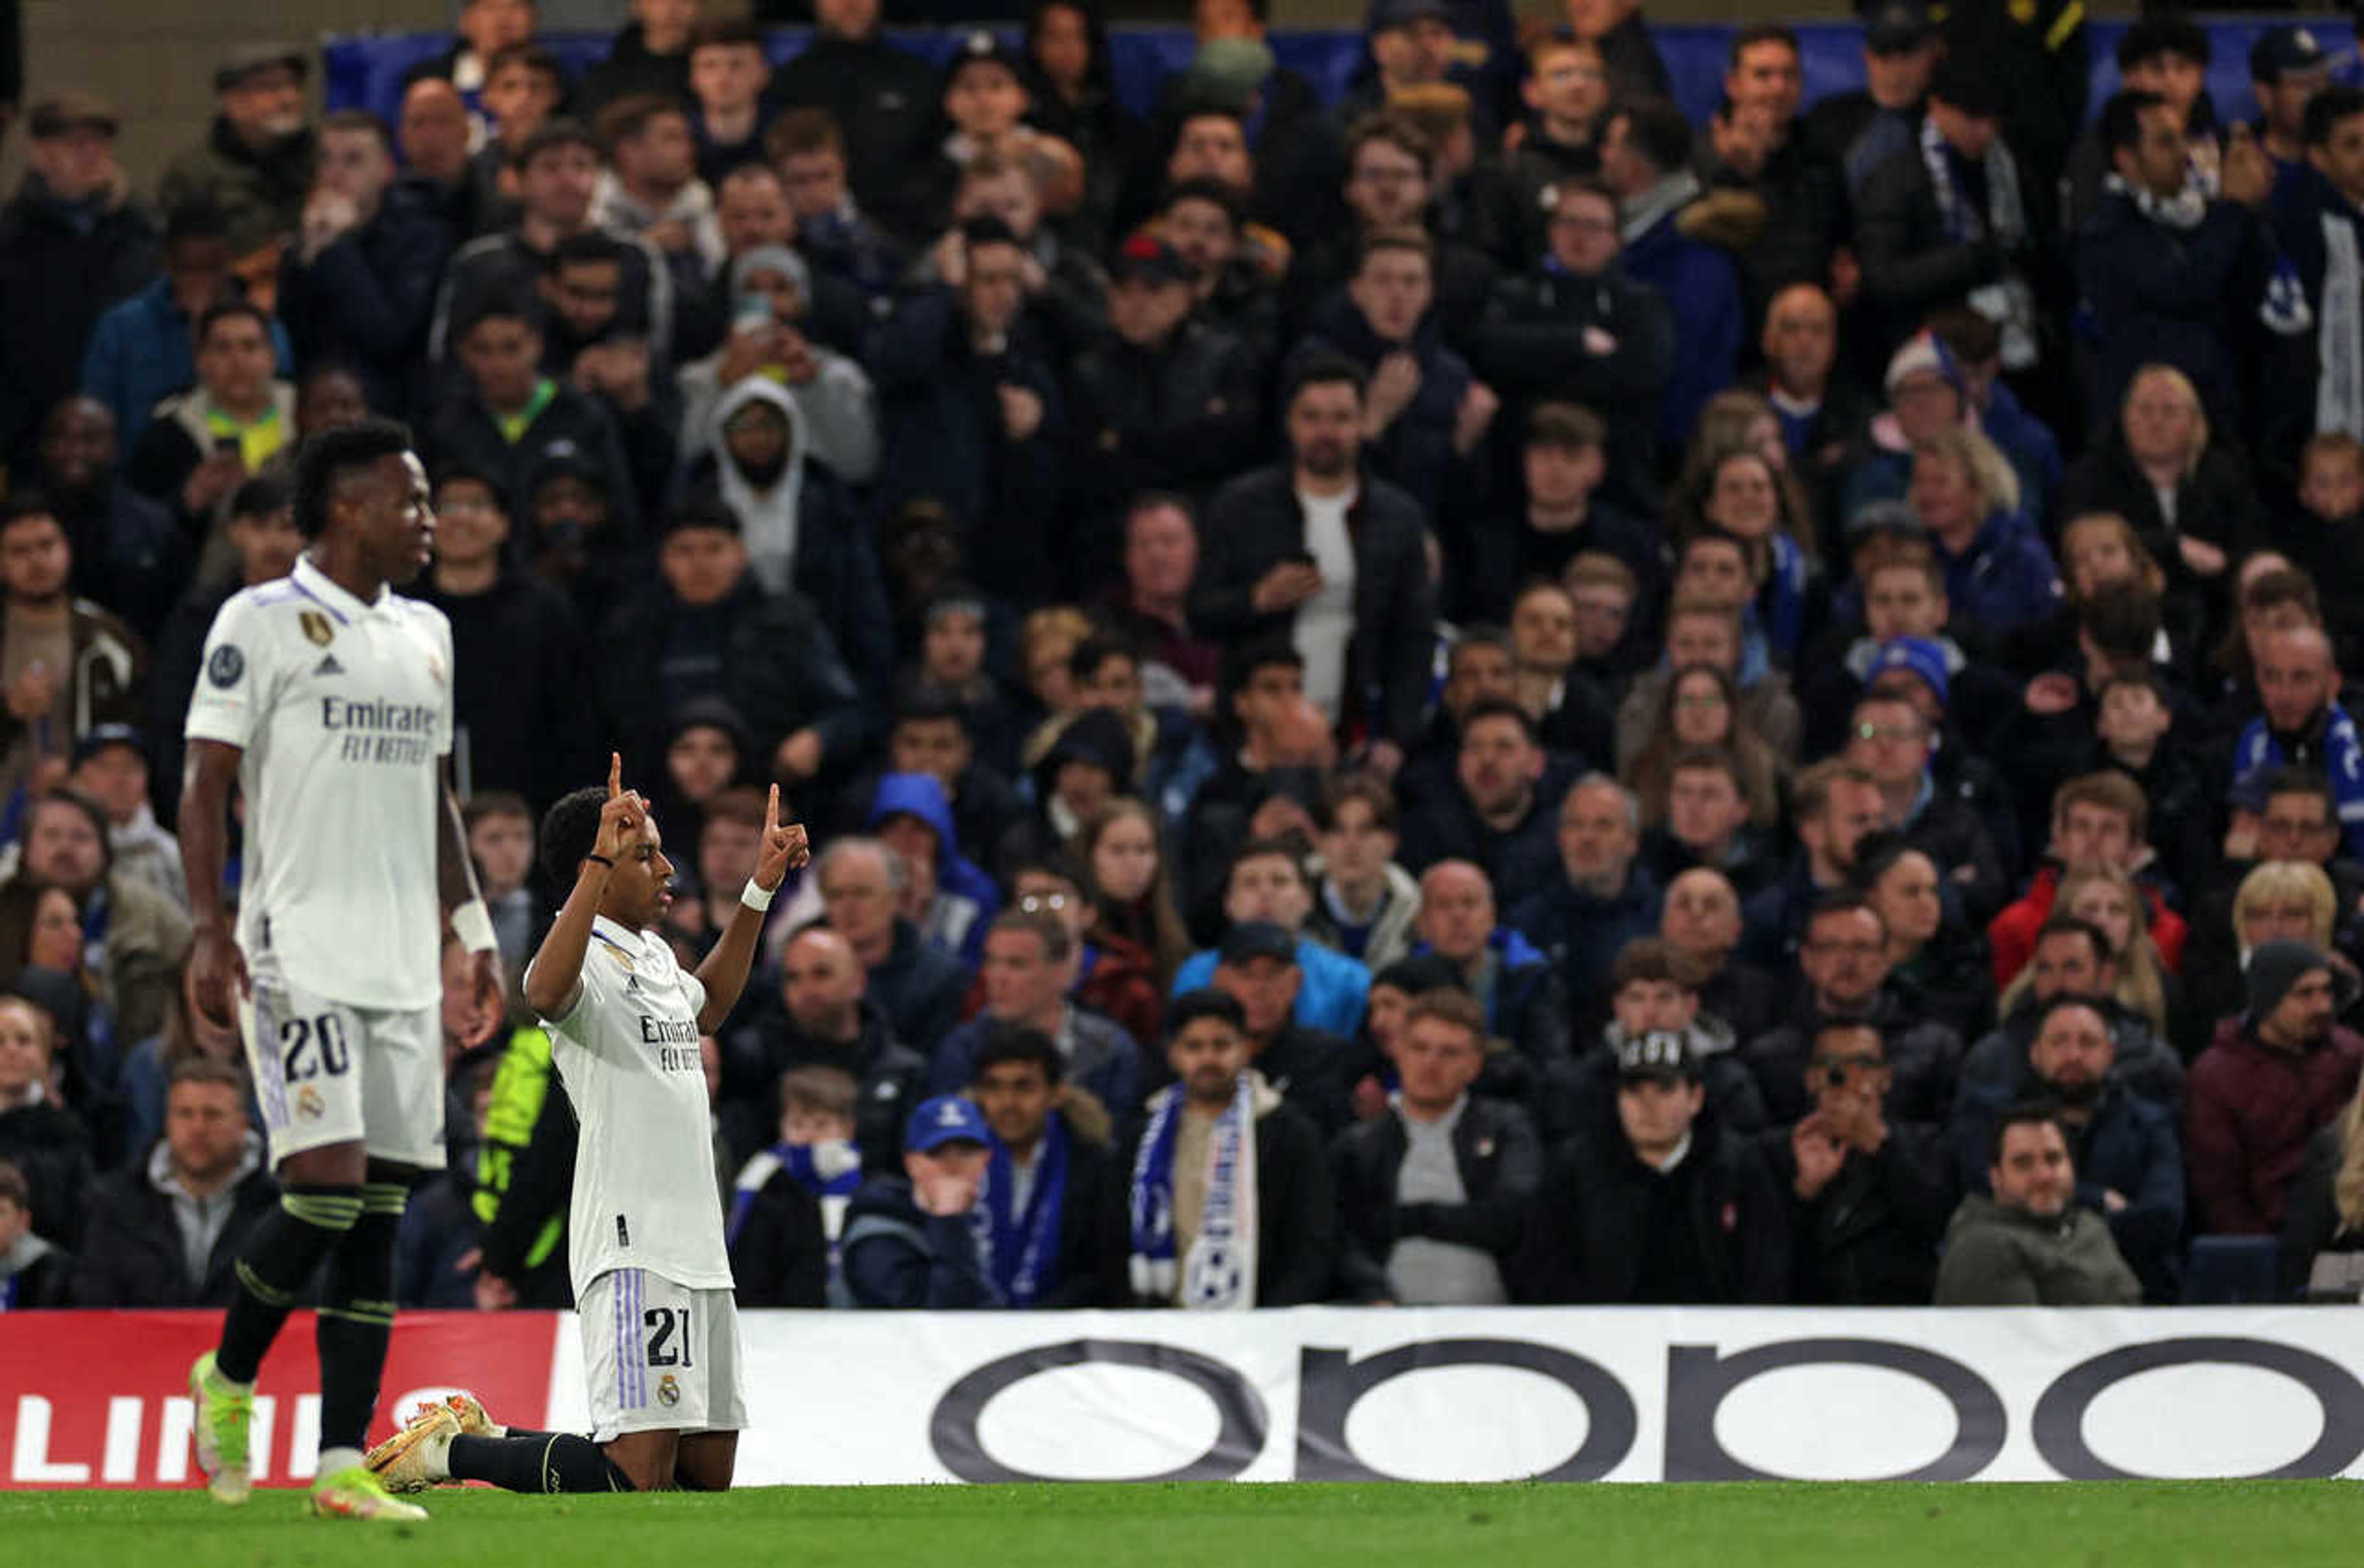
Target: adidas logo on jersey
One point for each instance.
(328, 666)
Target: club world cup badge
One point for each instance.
(668, 1391)
(317, 627)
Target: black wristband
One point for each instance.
(601, 860)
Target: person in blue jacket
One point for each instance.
(1999, 577)
(909, 814)
(909, 1241)
(1268, 882)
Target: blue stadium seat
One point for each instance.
(2230, 1271)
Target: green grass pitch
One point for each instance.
(2133, 1524)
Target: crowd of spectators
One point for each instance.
(1475, 694)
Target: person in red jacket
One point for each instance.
(2097, 820)
(2273, 1078)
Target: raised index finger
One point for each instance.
(615, 774)
(772, 813)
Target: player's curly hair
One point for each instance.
(569, 830)
(328, 457)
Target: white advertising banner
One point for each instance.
(1555, 1393)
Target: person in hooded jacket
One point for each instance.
(909, 814)
(800, 528)
(830, 388)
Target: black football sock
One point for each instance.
(278, 1261)
(551, 1462)
(356, 1317)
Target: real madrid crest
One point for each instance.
(668, 1391)
(317, 627)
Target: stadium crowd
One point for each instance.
(1474, 694)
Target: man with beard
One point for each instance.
(2304, 724)
(1501, 816)
(2128, 1159)
(2029, 1245)
(1317, 548)
(129, 553)
(2275, 1076)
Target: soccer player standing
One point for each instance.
(645, 1237)
(326, 699)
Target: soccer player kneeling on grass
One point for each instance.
(651, 1274)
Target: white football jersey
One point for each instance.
(645, 1196)
(344, 712)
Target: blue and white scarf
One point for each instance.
(2342, 763)
(2009, 304)
(829, 1170)
(1020, 1252)
(1219, 1274)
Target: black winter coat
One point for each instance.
(58, 278)
(1500, 1163)
(130, 1254)
(1589, 1230)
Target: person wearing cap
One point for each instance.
(2127, 1154)
(2159, 255)
(1574, 328)
(1652, 988)
(972, 411)
(2032, 1244)
(708, 626)
(985, 100)
(802, 528)
(1268, 884)
(1898, 591)
(1664, 1207)
(2274, 1075)
(909, 1241)
(502, 416)
(1862, 128)
(254, 167)
(1646, 160)
(517, 650)
(1319, 546)
(1164, 402)
(557, 174)
(1433, 1194)
(1028, 970)
(883, 99)
(72, 240)
(359, 286)
(2287, 68)
(1229, 1204)
(1922, 243)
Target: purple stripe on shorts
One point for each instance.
(623, 1346)
(640, 1342)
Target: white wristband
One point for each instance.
(472, 924)
(755, 897)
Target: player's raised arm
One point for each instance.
(217, 969)
(553, 980)
(724, 972)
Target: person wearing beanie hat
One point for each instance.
(1954, 218)
(2274, 1075)
(254, 167)
(771, 300)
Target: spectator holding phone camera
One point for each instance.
(771, 293)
